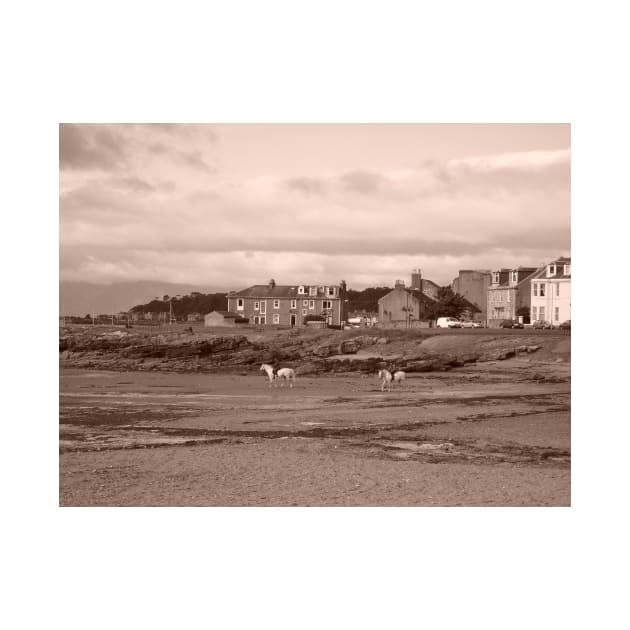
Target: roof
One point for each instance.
(277, 291)
(414, 293)
(225, 314)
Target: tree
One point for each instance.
(449, 304)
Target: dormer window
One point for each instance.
(552, 270)
(331, 291)
(300, 290)
(495, 277)
(567, 270)
(515, 276)
(312, 291)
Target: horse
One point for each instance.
(283, 374)
(387, 377)
(265, 367)
(286, 374)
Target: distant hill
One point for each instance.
(81, 298)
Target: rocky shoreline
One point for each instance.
(327, 351)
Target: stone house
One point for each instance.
(509, 292)
(289, 305)
(404, 307)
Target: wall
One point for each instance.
(550, 300)
(473, 285)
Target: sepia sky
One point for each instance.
(230, 205)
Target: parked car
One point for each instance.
(565, 325)
(471, 325)
(510, 323)
(448, 322)
(541, 323)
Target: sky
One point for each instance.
(225, 206)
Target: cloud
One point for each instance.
(363, 182)
(170, 215)
(307, 185)
(90, 146)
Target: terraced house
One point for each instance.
(551, 292)
(289, 305)
(509, 293)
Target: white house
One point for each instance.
(551, 292)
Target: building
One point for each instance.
(290, 305)
(405, 307)
(428, 287)
(223, 318)
(509, 295)
(473, 285)
(551, 292)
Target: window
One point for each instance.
(276, 318)
(556, 314)
(542, 290)
(331, 292)
(240, 304)
(327, 304)
(276, 303)
(300, 290)
(535, 289)
(557, 289)
(534, 314)
(541, 312)
(304, 311)
(552, 270)
(509, 296)
(256, 305)
(311, 304)
(304, 302)
(495, 277)
(567, 270)
(498, 296)
(263, 307)
(293, 303)
(312, 290)
(515, 276)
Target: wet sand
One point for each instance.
(495, 434)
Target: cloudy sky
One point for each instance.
(226, 206)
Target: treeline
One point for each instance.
(185, 305)
(366, 300)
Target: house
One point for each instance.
(405, 307)
(193, 317)
(509, 294)
(290, 305)
(551, 292)
(473, 285)
(428, 287)
(223, 318)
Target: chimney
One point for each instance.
(272, 283)
(399, 284)
(416, 279)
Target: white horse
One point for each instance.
(283, 374)
(286, 374)
(387, 377)
(265, 367)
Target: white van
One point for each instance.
(448, 322)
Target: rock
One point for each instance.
(350, 346)
(382, 340)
